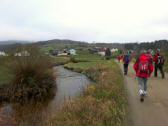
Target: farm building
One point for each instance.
(72, 52)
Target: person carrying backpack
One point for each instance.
(126, 60)
(143, 68)
(159, 63)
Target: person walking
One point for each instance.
(159, 63)
(149, 54)
(126, 61)
(107, 53)
(143, 68)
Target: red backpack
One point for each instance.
(143, 65)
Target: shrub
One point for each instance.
(33, 76)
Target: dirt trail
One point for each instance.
(154, 110)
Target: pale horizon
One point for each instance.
(84, 20)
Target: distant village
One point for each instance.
(102, 51)
(95, 50)
(65, 52)
(22, 53)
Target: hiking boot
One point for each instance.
(145, 93)
(141, 92)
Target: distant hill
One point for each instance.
(64, 43)
(9, 42)
(60, 44)
(60, 41)
(161, 44)
(57, 43)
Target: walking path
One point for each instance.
(154, 110)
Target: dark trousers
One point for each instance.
(160, 67)
(125, 69)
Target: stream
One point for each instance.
(69, 86)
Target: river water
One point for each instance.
(69, 85)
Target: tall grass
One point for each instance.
(5, 74)
(33, 76)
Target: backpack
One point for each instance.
(143, 66)
(126, 59)
(160, 60)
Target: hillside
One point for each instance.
(7, 45)
(64, 43)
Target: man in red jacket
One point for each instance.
(143, 68)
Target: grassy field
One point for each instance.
(85, 56)
(5, 72)
(60, 60)
(103, 103)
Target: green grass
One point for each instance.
(80, 65)
(85, 56)
(5, 76)
(5, 72)
(46, 49)
(85, 60)
(60, 60)
(103, 103)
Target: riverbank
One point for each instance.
(69, 86)
(103, 103)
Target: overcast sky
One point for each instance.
(86, 20)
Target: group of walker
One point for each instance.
(144, 68)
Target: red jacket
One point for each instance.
(136, 66)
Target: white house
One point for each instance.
(72, 52)
(62, 54)
(23, 53)
(114, 50)
(18, 54)
(101, 53)
(3, 54)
